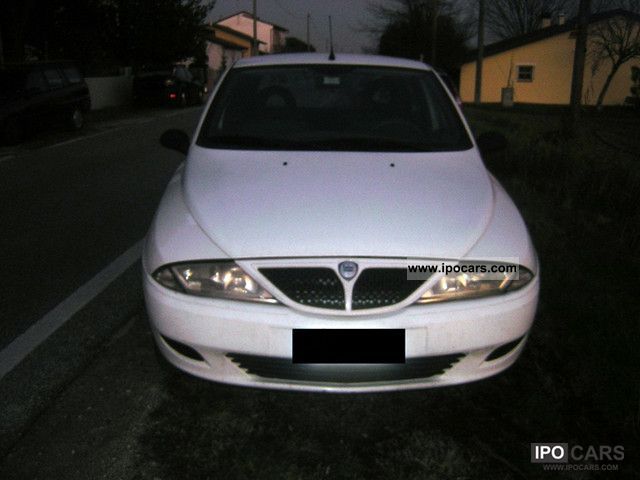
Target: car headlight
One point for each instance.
(479, 281)
(214, 280)
(169, 82)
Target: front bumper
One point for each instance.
(220, 331)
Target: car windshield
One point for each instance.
(333, 107)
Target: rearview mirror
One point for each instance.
(175, 139)
(491, 142)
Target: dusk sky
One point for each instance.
(348, 17)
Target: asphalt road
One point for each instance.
(69, 209)
(93, 402)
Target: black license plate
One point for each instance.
(348, 346)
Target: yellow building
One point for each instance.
(539, 66)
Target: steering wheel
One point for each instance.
(399, 128)
(264, 96)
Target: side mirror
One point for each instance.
(174, 139)
(491, 142)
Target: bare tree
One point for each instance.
(615, 41)
(407, 28)
(390, 11)
(510, 18)
(14, 22)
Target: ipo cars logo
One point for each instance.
(563, 453)
(348, 270)
(549, 452)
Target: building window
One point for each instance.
(525, 73)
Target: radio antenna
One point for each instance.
(332, 55)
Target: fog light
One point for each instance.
(503, 350)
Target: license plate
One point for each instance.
(348, 345)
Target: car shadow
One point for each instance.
(480, 430)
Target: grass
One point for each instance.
(579, 197)
(578, 380)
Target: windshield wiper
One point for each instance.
(245, 141)
(372, 144)
(340, 144)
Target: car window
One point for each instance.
(156, 69)
(333, 107)
(54, 79)
(198, 73)
(183, 74)
(18, 81)
(72, 74)
(35, 81)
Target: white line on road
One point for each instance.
(126, 123)
(4, 158)
(37, 333)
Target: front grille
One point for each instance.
(321, 287)
(313, 287)
(284, 369)
(381, 287)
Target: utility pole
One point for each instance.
(434, 30)
(480, 57)
(332, 54)
(308, 35)
(254, 43)
(579, 59)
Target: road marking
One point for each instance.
(4, 158)
(37, 333)
(118, 126)
(73, 140)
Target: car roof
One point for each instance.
(323, 58)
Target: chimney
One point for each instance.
(562, 17)
(546, 20)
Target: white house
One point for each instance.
(224, 47)
(271, 35)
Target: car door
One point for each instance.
(57, 97)
(76, 90)
(35, 105)
(186, 85)
(191, 85)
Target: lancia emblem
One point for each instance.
(348, 270)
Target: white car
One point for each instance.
(334, 228)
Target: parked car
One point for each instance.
(171, 85)
(334, 228)
(38, 95)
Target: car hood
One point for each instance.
(291, 204)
